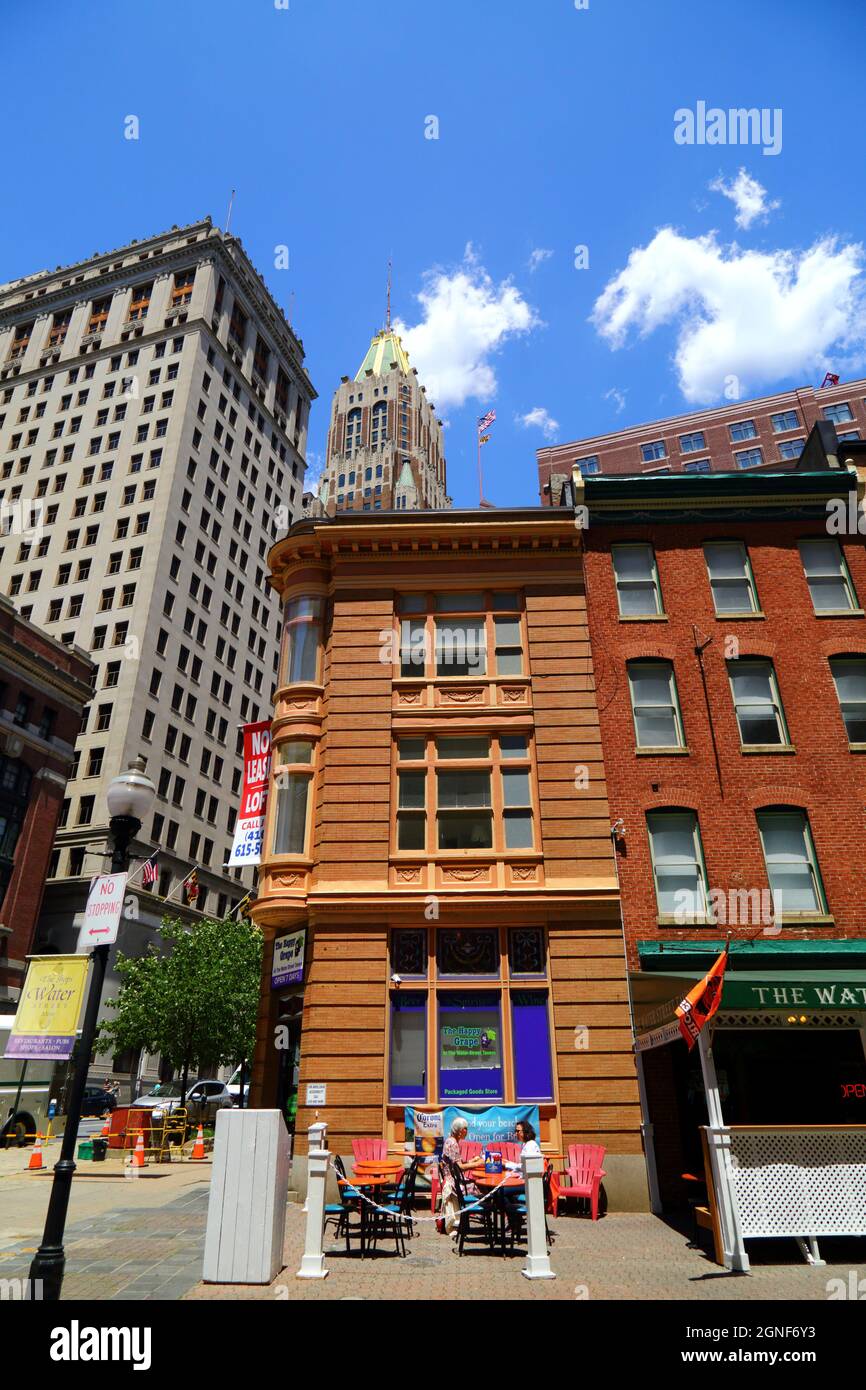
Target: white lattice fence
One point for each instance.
(799, 1182)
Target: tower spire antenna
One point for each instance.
(388, 310)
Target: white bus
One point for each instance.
(25, 1090)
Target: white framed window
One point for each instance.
(693, 443)
(839, 413)
(791, 448)
(654, 450)
(827, 576)
(697, 466)
(678, 864)
(792, 866)
(757, 703)
(638, 590)
(588, 465)
(655, 705)
(785, 420)
(731, 578)
(849, 676)
(748, 458)
(743, 429)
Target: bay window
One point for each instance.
(292, 777)
(302, 641)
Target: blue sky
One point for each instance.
(555, 129)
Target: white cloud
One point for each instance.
(539, 418)
(618, 398)
(759, 316)
(466, 319)
(748, 196)
(538, 257)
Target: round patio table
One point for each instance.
(367, 1213)
(503, 1181)
(374, 1166)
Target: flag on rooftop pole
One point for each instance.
(486, 421)
(830, 379)
(703, 1000)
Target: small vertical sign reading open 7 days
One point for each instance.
(104, 911)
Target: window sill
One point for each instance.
(857, 747)
(662, 752)
(760, 616)
(763, 748)
(643, 617)
(841, 613)
(460, 856)
(686, 924)
(806, 919)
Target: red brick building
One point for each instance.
(728, 633)
(740, 435)
(44, 687)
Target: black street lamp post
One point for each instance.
(129, 799)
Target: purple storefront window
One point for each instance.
(533, 1073)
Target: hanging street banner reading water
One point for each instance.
(247, 843)
(48, 1009)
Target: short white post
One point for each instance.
(537, 1258)
(318, 1159)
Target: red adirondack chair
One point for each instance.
(369, 1150)
(582, 1177)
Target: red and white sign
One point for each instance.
(104, 911)
(247, 844)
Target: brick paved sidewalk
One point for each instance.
(624, 1256)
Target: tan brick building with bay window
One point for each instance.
(438, 827)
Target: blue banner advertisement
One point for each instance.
(495, 1124)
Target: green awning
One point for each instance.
(662, 955)
(842, 990)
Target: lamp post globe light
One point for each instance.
(129, 798)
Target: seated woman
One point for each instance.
(530, 1149)
(451, 1151)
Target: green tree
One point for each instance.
(194, 1000)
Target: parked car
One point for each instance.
(203, 1099)
(207, 1097)
(97, 1099)
(234, 1086)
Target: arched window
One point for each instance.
(792, 864)
(380, 424)
(353, 431)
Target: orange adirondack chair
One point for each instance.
(369, 1150)
(584, 1174)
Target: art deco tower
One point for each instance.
(384, 448)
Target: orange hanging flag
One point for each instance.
(703, 1000)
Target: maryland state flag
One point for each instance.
(702, 1002)
(192, 886)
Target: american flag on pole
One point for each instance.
(486, 421)
(149, 870)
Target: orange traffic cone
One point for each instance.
(198, 1146)
(138, 1153)
(106, 1128)
(36, 1156)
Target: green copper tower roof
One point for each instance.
(385, 349)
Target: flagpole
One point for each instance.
(480, 481)
(180, 887)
